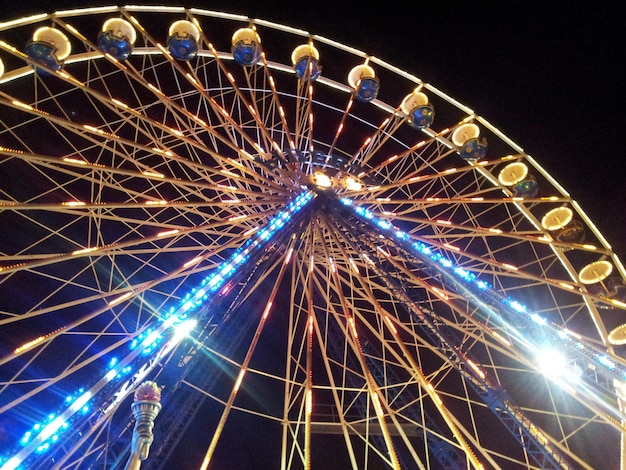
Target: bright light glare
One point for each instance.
(554, 365)
(322, 180)
(183, 329)
(551, 361)
(352, 184)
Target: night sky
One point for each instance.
(550, 77)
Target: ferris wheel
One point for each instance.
(311, 258)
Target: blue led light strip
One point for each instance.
(473, 285)
(152, 343)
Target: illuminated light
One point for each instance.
(618, 303)
(322, 180)
(450, 170)
(477, 369)
(557, 218)
(353, 184)
(50, 429)
(119, 103)
(93, 129)
(401, 235)
(463, 273)
(465, 132)
(184, 329)
(266, 312)
(513, 173)
(590, 247)
(73, 203)
(567, 286)
(391, 159)
(167, 233)
(434, 394)
(367, 259)
(74, 160)
(553, 364)
(155, 203)
(452, 247)
(242, 372)
(333, 268)
(340, 128)
(237, 217)
(231, 201)
(311, 263)
(517, 306)
(176, 132)
(12, 463)
(250, 231)
(224, 186)
(152, 174)
(84, 250)
(440, 293)
(196, 260)
(119, 299)
(353, 327)
(538, 319)
(384, 224)
(377, 406)
(444, 222)
(229, 173)
(383, 251)
(288, 257)
(367, 141)
(510, 266)
(309, 402)
(501, 338)
(392, 327)
(354, 266)
(22, 105)
(192, 79)
(595, 272)
(246, 154)
(81, 401)
(606, 361)
(29, 345)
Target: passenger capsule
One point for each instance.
(362, 79)
(245, 47)
(419, 111)
(183, 39)
(117, 38)
(470, 148)
(305, 60)
(49, 48)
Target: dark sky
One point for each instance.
(548, 75)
